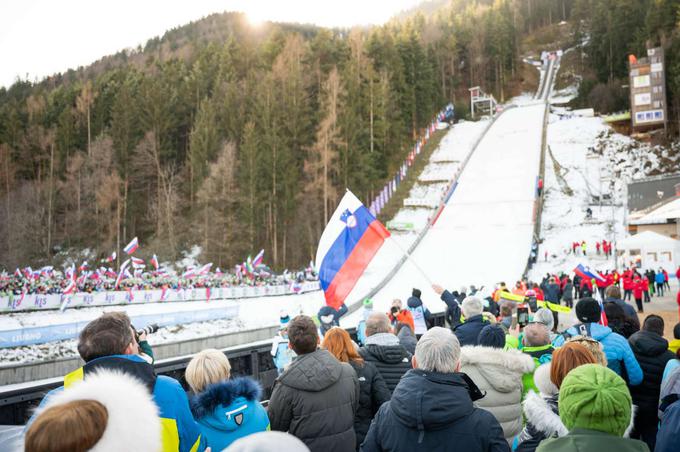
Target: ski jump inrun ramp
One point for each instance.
(484, 233)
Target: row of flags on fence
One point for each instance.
(390, 187)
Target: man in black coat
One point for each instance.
(432, 407)
(384, 350)
(317, 396)
(651, 351)
(468, 331)
(613, 295)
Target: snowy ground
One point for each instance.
(261, 312)
(484, 233)
(586, 159)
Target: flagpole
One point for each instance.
(410, 259)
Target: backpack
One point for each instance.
(582, 330)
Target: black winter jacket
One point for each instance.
(552, 293)
(651, 352)
(629, 310)
(431, 411)
(392, 361)
(372, 394)
(316, 399)
(468, 331)
(452, 307)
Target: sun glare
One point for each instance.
(255, 18)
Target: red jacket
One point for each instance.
(645, 284)
(665, 275)
(637, 288)
(677, 274)
(627, 283)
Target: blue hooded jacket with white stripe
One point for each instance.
(229, 410)
(616, 348)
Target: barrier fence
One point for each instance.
(36, 302)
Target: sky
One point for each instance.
(42, 37)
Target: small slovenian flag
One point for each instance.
(154, 262)
(258, 259)
(205, 269)
(347, 245)
(137, 261)
(190, 273)
(586, 272)
(132, 246)
(83, 266)
(121, 273)
(112, 257)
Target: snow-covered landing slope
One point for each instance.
(484, 233)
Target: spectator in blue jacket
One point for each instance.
(468, 331)
(109, 342)
(226, 410)
(659, 278)
(616, 348)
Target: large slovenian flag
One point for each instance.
(347, 245)
(586, 272)
(132, 246)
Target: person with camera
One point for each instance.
(110, 343)
(399, 315)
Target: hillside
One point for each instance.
(237, 138)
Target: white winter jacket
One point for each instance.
(499, 373)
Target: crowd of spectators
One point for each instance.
(48, 280)
(484, 382)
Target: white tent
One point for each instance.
(650, 250)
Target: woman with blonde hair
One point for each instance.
(373, 391)
(225, 409)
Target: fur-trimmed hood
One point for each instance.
(541, 416)
(225, 393)
(133, 418)
(542, 380)
(503, 369)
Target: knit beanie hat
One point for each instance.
(594, 397)
(368, 303)
(491, 336)
(588, 310)
(284, 318)
(416, 293)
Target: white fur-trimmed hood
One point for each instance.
(502, 368)
(538, 413)
(133, 424)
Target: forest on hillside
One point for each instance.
(238, 138)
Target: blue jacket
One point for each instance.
(659, 278)
(552, 293)
(468, 331)
(179, 430)
(669, 429)
(434, 411)
(616, 348)
(229, 410)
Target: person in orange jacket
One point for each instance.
(399, 315)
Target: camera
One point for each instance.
(394, 310)
(149, 329)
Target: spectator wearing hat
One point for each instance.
(281, 353)
(225, 409)
(406, 337)
(421, 315)
(596, 407)
(433, 408)
(619, 355)
(330, 317)
(651, 352)
(361, 326)
(109, 411)
(593, 347)
(498, 373)
(669, 413)
(541, 410)
(384, 350)
(468, 331)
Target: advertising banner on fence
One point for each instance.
(32, 302)
(51, 333)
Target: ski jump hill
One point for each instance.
(481, 234)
